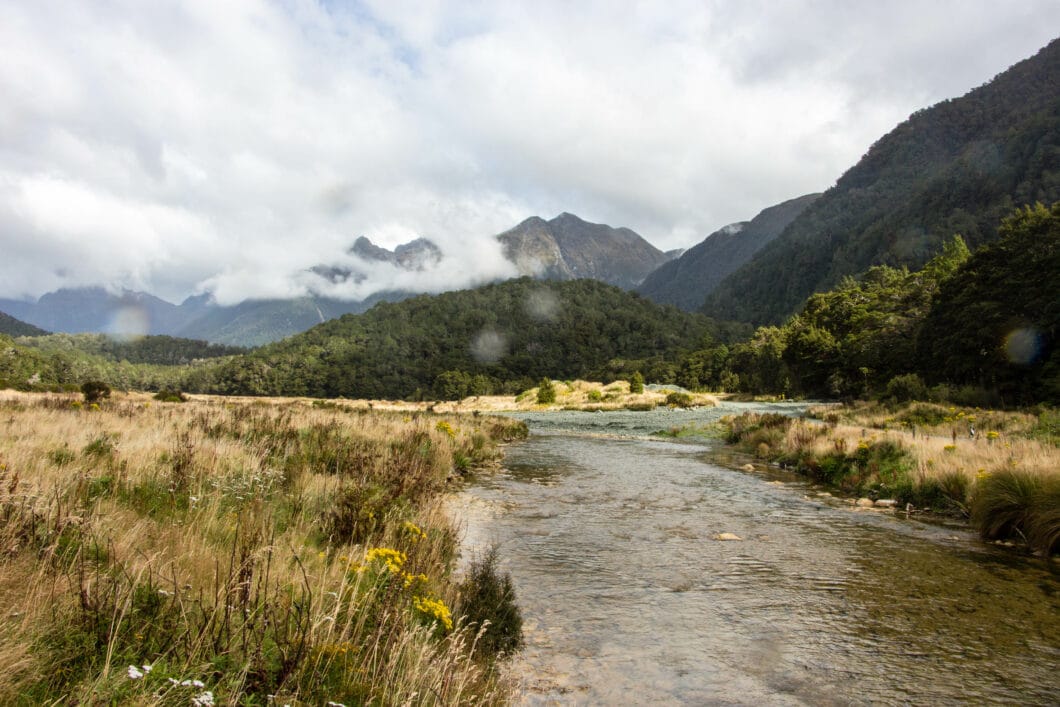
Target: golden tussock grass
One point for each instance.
(226, 545)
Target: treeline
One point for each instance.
(156, 349)
(500, 338)
(979, 329)
(65, 361)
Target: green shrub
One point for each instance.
(546, 392)
(488, 604)
(95, 391)
(636, 383)
(907, 387)
(594, 396)
(679, 400)
(171, 395)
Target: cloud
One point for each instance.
(187, 146)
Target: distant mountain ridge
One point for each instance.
(957, 167)
(569, 248)
(687, 280)
(564, 248)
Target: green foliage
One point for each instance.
(996, 322)
(95, 391)
(636, 383)
(546, 392)
(171, 395)
(677, 399)
(488, 605)
(906, 387)
(594, 396)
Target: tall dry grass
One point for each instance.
(237, 549)
(1006, 478)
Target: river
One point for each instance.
(628, 598)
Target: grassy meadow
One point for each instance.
(219, 551)
(1006, 478)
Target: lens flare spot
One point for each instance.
(129, 323)
(542, 305)
(1023, 346)
(489, 346)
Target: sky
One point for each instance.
(228, 147)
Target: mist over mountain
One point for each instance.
(564, 248)
(687, 280)
(957, 167)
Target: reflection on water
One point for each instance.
(628, 598)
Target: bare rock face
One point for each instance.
(568, 248)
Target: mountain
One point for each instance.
(568, 248)
(16, 327)
(686, 281)
(498, 337)
(957, 167)
(94, 309)
(419, 254)
(258, 322)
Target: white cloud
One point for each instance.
(179, 146)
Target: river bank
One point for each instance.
(1000, 470)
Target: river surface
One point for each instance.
(628, 598)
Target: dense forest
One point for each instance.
(957, 167)
(56, 361)
(980, 328)
(498, 338)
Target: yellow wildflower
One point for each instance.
(434, 609)
(393, 559)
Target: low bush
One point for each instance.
(171, 395)
(489, 607)
(95, 391)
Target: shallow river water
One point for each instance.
(628, 598)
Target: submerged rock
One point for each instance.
(727, 536)
(864, 503)
(748, 467)
(886, 503)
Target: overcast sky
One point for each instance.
(229, 145)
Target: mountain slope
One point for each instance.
(957, 167)
(686, 281)
(505, 336)
(568, 248)
(16, 327)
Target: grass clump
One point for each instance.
(1018, 503)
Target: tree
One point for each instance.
(95, 391)
(546, 392)
(636, 383)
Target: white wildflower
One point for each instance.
(134, 673)
(204, 699)
(146, 668)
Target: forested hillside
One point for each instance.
(980, 328)
(955, 168)
(16, 327)
(686, 281)
(501, 337)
